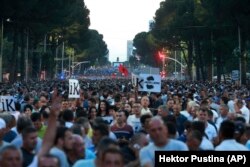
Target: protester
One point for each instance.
(76, 129)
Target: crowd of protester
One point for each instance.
(101, 71)
(114, 125)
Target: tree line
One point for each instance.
(208, 33)
(36, 31)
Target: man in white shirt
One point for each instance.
(242, 111)
(134, 120)
(226, 135)
(205, 143)
(159, 134)
(224, 110)
(230, 103)
(188, 112)
(210, 129)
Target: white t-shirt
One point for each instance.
(245, 113)
(134, 122)
(219, 121)
(147, 154)
(145, 111)
(206, 144)
(230, 105)
(210, 131)
(215, 115)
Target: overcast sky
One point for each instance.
(119, 21)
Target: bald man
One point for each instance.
(159, 135)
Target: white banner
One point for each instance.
(134, 79)
(74, 88)
(7, 103)
(149, 83)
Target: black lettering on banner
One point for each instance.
(199, 158)
(70, 88)
(139, 82)
(149, 84)
(8, 105)
(73, 88)
(76, 91)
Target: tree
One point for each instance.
(38, 20)
(146, 48)
(94, 48)
(207, 29)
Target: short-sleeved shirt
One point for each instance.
(88, 163)
(147, 154)
(42, 131)
(206, 144)
(124, 132)
(61, 155)
(134, 122)
(210, 131)
(230, 145)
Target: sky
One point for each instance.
(119, 21)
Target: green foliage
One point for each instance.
(146, 48)
(207, 30)
(51, 22)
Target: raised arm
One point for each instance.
(50, 134)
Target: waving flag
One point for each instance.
(122, 69)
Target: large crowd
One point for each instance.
(114, 125)
(101, 71)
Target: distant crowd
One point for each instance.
(101, 71)
(112, 124)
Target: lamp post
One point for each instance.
(62, 55)
(75, 64)
(175, 64)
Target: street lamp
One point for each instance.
(75, 64)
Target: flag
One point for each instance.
(122, 69)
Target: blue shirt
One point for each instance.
(82, 163)
(248, 144)
(89, 154)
